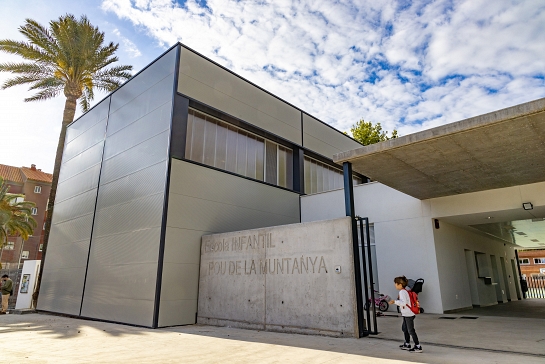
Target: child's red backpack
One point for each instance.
(415, 304)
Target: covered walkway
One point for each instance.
(528, 308)
(512, 327)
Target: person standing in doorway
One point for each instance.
(7, 290)
(404, 303)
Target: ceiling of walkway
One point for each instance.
(500, 149)
(525, 229)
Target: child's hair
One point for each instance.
(401, 280)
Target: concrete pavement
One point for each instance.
(39, 338)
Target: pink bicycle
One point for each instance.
(380, 301)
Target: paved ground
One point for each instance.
(37, 338)
(528, 308)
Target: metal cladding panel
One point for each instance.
(203, 183)
(142, 106)
(180, 311)
(88, 120)
(156, 72)
(80, 183)
(138, 214)
(180, 247)
(85, 141)
(210, 84)
(185, 277)
(131, 246)
(70, 255)
(124, 253)
(141, 156)
(194, 213)
(81, 162)
(203, 201)
(72, 220)
(61, 289)
(324, 140)
(146, 182)
(74, 207)
(72, 230)
(121, 293)
(139, 131)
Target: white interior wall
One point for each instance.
(455, 248)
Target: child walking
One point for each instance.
(404, 303)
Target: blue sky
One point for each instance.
(410, 65)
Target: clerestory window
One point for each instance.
(216, 143)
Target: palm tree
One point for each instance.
(67, 57)
(15, 215)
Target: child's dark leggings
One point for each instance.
(408, 330)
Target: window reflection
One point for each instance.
(215, 143)
(320, 177)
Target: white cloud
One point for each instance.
(408, 67)
(129, 47)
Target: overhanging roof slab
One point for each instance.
(499, 149)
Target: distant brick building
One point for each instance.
(35, 185)
(532, 262)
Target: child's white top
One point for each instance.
(404, 303)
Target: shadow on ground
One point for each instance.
(33, 337)
(61, 327)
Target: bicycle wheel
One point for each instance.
(383, 306)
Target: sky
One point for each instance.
(410, 65)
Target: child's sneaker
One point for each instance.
(405, 346)
(416, 349)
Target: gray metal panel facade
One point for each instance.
(210, 84)
(66, 260)
(122, 269)
(204, 201)
(322, 139)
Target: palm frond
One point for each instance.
(27, 68)
(48, 83)
(25, 50)
(45, 94)
(87, 97)
(39, 36)
(15, 217)
(19, 80)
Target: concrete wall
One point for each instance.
(460, 283)
(403, 235)
(280, 279)
(203, 201)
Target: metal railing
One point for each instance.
(535, 286)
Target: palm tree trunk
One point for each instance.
(68, 117)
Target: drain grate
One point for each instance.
(448, 318)
(469, 318)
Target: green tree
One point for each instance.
(366, 133)
(15, 215)
(68, 57)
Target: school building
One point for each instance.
(191, 194)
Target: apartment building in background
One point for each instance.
(35, 185)
(532, 262)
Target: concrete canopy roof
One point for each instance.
(500, 149)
